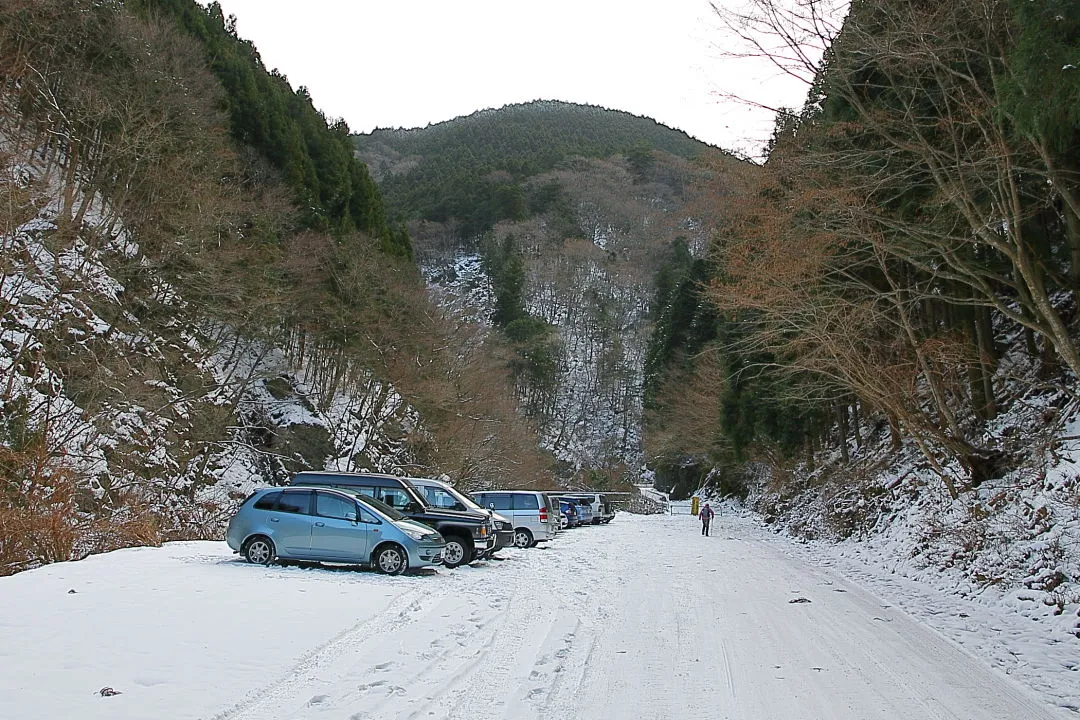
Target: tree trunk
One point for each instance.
(894, 432)
(843, 418)
(984, 336)
(1072, 227)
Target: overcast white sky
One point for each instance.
(409, 63)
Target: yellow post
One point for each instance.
(694, 503)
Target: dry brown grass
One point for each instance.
(44, 518)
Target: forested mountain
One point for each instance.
(558, 218)
(201, 291)
(474, 169)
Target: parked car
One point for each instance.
(535, 514)
(469, 534)
(445, 495)
(569, 513)
(329, 525)
(603, 511)
(584, 509)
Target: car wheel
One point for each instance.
(458, 551)
(391, 560)
(523, 538)
(259, 550)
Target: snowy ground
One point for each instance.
(643, 618)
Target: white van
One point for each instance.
(535, 521)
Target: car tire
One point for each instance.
(458, 551)
(390, 559)
(259, 550)
(523, 538)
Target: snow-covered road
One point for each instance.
(641, 619)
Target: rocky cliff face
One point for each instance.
(590, 276)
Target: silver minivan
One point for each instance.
(532, 512)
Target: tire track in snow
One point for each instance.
(482, 687)
(541, 642)
(264, 703)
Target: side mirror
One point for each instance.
(412, 507)
(491, 506)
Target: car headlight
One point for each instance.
(416, 535)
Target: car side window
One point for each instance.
(367, 516)
(525, 502)
(298, 503)
(431, 494)
(334, 506)
(440, 498)
(268, 501)
(395, 497)
(501, 501)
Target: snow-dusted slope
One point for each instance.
(130, 413)
(655, 621)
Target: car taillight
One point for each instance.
(543, 515)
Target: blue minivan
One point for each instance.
(330, 525)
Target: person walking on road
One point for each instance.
(706, 516)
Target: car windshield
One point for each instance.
(378, 505)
